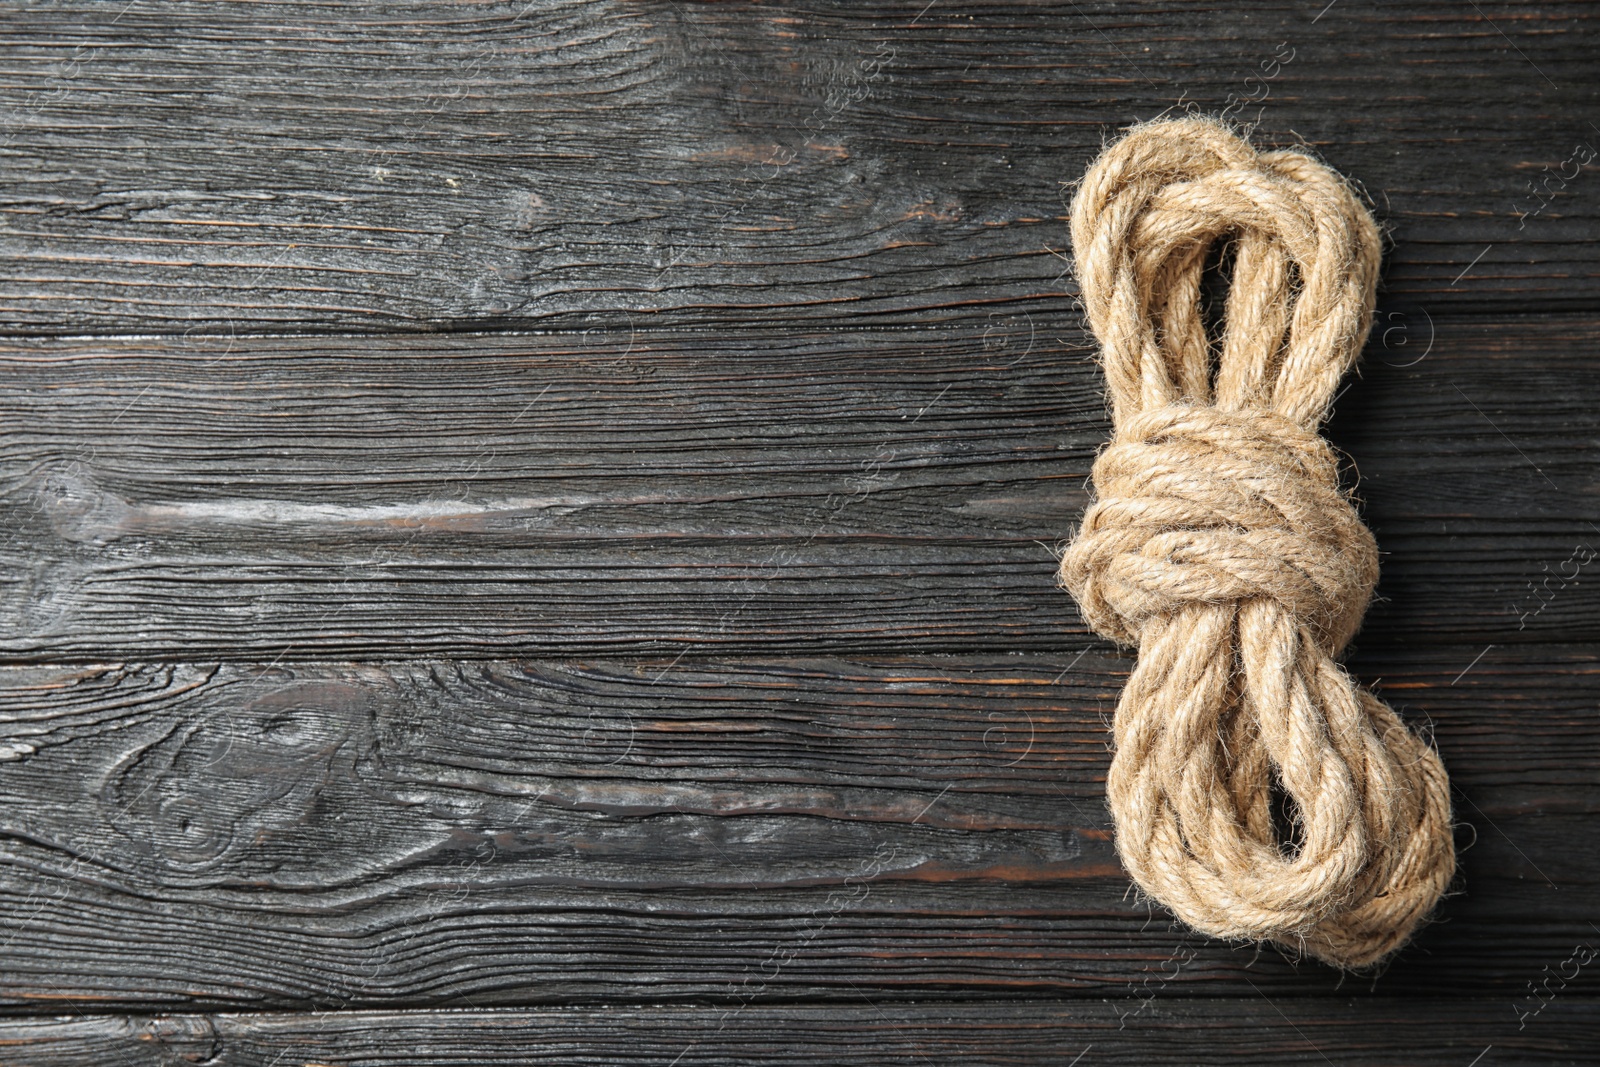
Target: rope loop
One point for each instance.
(1221, 545)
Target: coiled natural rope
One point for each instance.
(1221, 545)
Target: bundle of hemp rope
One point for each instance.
(1221, 545)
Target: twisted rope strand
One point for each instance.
(1221, 545)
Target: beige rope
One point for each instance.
(1221, 545)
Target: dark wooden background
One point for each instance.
(529, 530)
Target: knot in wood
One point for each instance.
(1196, 504)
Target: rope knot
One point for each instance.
(1221, 545)
(1197, 504)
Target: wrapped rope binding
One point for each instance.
(1221, 545)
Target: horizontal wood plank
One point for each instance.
(515, 832)
(181, 167)
(645, 492)
(1137, 1031)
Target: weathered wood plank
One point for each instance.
(1215, 1031)
(432, 832)
(665, 492)
(245, 167)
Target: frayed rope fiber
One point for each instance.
(1221, 545)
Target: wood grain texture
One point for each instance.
(233, 168)
(666, 492)
(1220, 1032)
(474, 833)
(686, 683)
